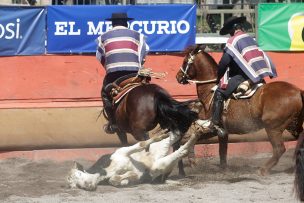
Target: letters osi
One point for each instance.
(10, 30)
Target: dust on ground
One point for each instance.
(24, 181)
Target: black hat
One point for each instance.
(228, 24)
(119, 16)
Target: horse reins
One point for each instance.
(202, 81)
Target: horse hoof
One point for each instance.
(181, 174)
(223, 166)
(262, 172)
(192, 162)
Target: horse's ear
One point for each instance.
(198, 48)
(202, 47)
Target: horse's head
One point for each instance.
(89, 179)
(186, 71)
(197, 65)
(77, 177)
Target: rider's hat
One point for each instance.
(230, 22)
(119, 17)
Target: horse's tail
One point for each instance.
(299, 168)
(172, 114)
(302, 112)
(299, 159)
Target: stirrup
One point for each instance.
(221, 132)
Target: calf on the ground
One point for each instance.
(133, 164)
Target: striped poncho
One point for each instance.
(252, 60)
(121, 49)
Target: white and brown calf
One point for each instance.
(133, 164)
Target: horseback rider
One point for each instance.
(121, 51)
(242, 60)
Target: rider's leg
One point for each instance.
(220, 96)
(233, 84)
(217, 109)
(110, 127)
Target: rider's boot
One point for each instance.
(110, 127)
(217, 110)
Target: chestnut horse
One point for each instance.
(148, 105)
(276, 106)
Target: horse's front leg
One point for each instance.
(223, 148)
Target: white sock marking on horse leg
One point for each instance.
(162, 148)
(166, 164)
(140, 145)
(127, 151)
(203, 123)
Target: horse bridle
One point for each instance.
(186, 77)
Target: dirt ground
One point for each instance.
(24, 181)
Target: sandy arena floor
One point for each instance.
(23, 181)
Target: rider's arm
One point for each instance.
(223, 65)
(144, 50)
(100, 52)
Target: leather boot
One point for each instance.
(110, 127)
(217, 110)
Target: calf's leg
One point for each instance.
(165, 164)
(128, 178)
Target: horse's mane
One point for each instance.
(209, 58)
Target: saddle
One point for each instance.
(244, 91)
(120, 87)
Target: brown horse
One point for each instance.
(148, 105)
(276, 106)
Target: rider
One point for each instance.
(121, 51)
(243, 60)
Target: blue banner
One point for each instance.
(22, 30)
(74, 29)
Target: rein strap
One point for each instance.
(202, 81)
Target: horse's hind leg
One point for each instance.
(296, 127)
(276, 139)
